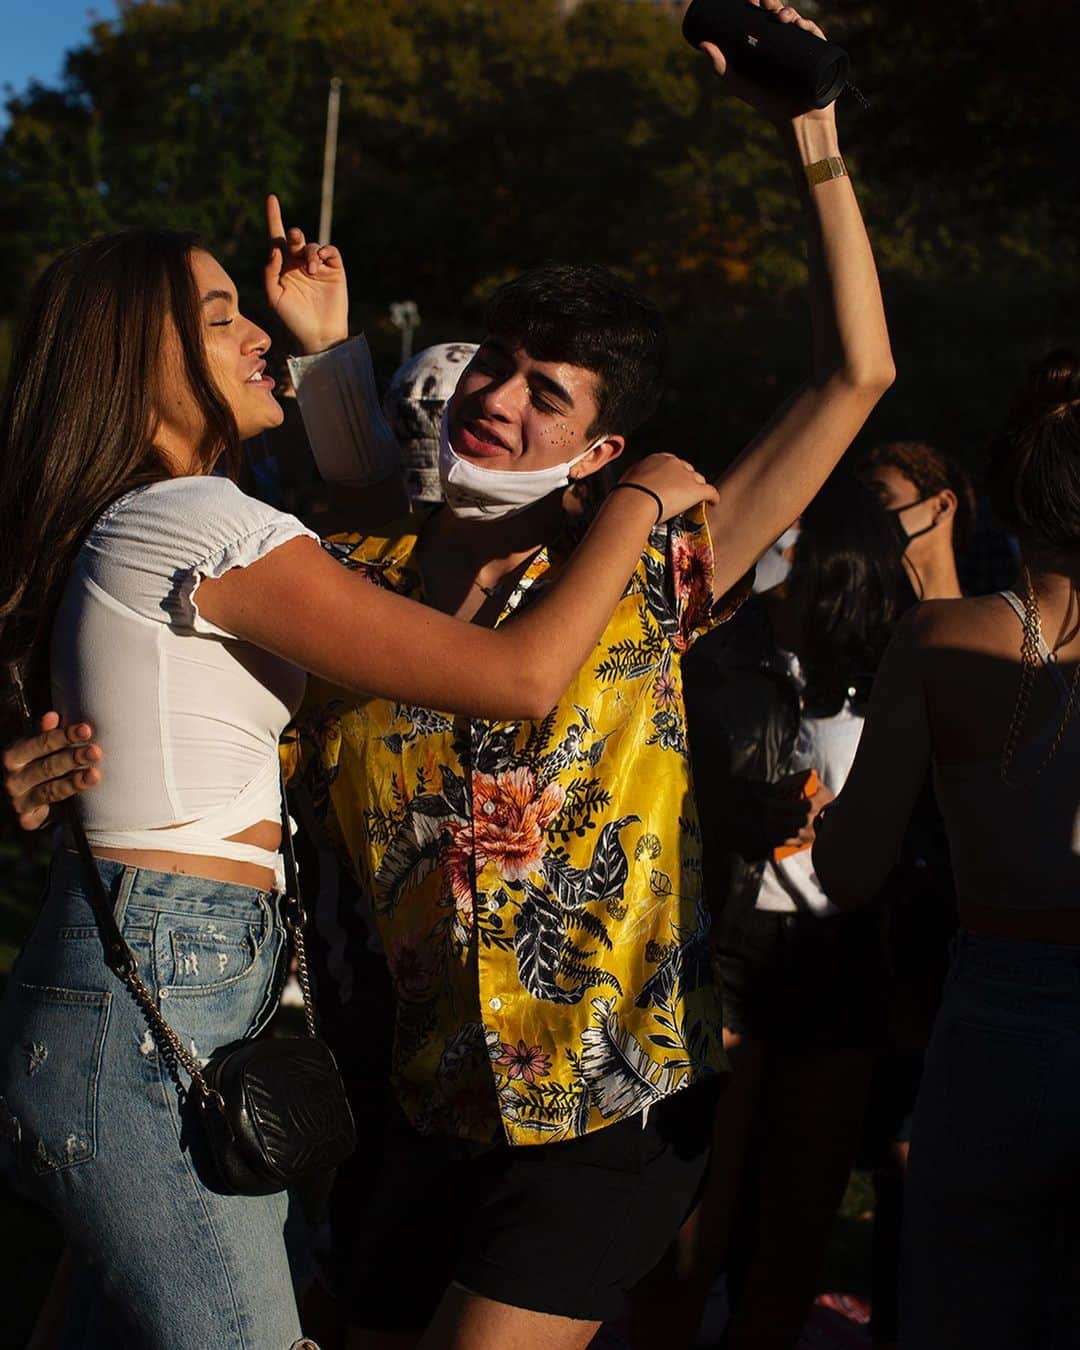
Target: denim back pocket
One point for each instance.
(51, 1043)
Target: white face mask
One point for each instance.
(476, 493)
(773, 567)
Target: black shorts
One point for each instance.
(801, 982)
(566, 1228)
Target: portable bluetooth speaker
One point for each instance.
(781, 57)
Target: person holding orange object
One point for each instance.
(775, 706)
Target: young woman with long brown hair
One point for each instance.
(179, 615)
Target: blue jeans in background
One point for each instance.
(992, 1206)
(90, 1121)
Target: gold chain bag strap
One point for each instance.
(273, 1110)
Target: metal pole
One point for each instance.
(326, 213)
(405, 316)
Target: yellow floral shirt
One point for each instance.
(536, 885)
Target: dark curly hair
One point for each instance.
(587, 316)
(931, 471)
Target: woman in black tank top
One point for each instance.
(988, 691)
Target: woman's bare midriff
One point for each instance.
(265, 834)
(1022, 925)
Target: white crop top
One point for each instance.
(189, 716)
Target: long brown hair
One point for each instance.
(79, 415)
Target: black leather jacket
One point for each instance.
(743, 712)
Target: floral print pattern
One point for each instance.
(509, 817)
(536, 885)
(525, 1061)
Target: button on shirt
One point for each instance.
(536, 884)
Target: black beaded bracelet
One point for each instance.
(640, 487)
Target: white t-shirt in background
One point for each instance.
(827, 744)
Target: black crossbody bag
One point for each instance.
(273, 1110)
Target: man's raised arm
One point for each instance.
(775, 477)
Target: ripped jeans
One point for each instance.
(90, 1123)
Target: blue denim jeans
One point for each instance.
(992, 1207)
(90, 1119)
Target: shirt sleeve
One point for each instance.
(348, 433)
(679, 573)
(152, 552)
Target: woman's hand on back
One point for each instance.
(675, 481)
(305, 285)
(42, 770)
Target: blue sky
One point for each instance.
(37, 33)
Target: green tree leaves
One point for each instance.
(478, 138)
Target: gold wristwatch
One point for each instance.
(823, 169)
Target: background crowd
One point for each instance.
(978, 277)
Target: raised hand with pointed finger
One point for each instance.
(305, 285)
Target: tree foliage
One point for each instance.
(479, 137)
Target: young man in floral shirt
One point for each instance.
(537, 885)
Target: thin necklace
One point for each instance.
(492, 592)
(504, 582)
(1030, 660)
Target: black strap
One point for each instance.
(288, 853)
(118, 955)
